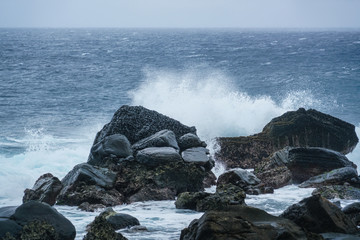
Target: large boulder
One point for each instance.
(155, 156)
(239, 177)
(242, 222)
(335, 177)
(163, 138)
(299, 128)
(299, 164)
(137, 122)
(45, 189)
(36, 220)
(318, 215)
(86, 183)
(114, 145)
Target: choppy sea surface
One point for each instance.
(58, 87)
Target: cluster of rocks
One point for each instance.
(142, 155)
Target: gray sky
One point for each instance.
(181, 13)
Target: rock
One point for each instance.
(353, 212)
(335, 177)
(163, 138)
(238, 177)
(276, 177)
(340, 236)
(101, 229)
(137, 122)
(199, 156)
(338, 191)
(295, 165)
(86, 183)
(155, 156)
(318, 215)
(39, 218)
(85, 206)
(139, 182)
(224, 196)
(241, 222)
(187, 200)
(10, 228)
(119, 220)
(209, 180)
(190, 140)
(299, 128)
(114, 145)
(45, 189)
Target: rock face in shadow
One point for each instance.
(36, 220)
(137, 123)
(318, 215)
(338, 191)
(295, 165)
(299, 128)
(335, 177)
(353, 212)
(45, 189)
(225, 196)
(242, 222)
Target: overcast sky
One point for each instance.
(181, 13)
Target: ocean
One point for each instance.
(58, 87)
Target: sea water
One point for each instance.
(58, 87)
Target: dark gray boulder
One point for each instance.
(42, 213)
(335, 177)
(45, 189)
(239, 177)
(163, 138)
(225, 196)
(199, 156)
(318, 215)
(116, 145)
(86, 183)
(119, 220)
(353, 212)
(9, 227)
(301, 128)
(190, 140)
(137, 122)
(156, 156)
(299, 164)
(242, 222)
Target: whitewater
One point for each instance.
(56, 95)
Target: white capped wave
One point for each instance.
(209, 101)
(44, 154)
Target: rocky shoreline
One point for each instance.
(142, 155)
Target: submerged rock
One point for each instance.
(116, 145)
(299, 128)
(137, 123)
(241, 222)
(318, 215)
(45, 189)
